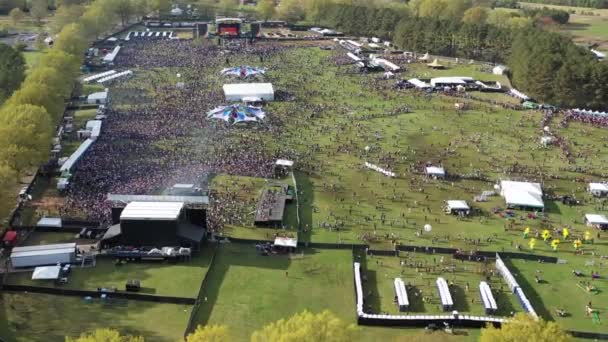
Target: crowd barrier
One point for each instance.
(364, 318)
(96, 294)
(514, 286)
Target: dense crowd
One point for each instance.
(147, 146)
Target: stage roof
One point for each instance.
(161, 211)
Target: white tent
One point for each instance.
(240, 91)
(499, 70)
(457, 205)
(596, 220)
(522, 194)
(51, 222)
(435, 171)
(46, 273)
(177, 11)
(100, 97)
(598, 189)
(284, 162)
(286, 242)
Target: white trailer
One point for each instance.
(32, 256)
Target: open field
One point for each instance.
(586, 25)
(36, 317)
(180, 280)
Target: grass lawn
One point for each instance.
(37, 317)
(246, 291)
(182, 279)
(381, 271)
(562, 289)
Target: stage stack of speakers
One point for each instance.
(201, 30)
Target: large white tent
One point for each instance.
(522, 194)
(240, 91)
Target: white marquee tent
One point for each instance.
(522, 194)
(240, 91)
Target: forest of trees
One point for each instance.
(546, 65)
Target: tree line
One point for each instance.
(32, 113)
(574, 3)
(546, 65)
(326, 326)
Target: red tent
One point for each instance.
(10, 237)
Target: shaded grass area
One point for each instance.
(39, 317)
(247, 291)
(181, 280)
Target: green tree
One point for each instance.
(291, 10)
(71, 40)
(124, 9)
(228, 5)
(524, 328)
(162, 7)
(307, 327)
(12, 70)
(454, 9)
(210, 333)
(25, 135)
(141, 8)
(39, 10)
(315, 9)
(7, 5)
(475, 15)
(265, 9)
(16, 15)
(105, 335)
(65, 15)
(431, 8)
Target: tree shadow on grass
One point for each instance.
(306, 199)
(578, 26)
(552, 208)
(414, 295)
(460, 299)
(227, 256)
(533, 296)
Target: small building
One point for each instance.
(598, 189)
(500, 70)
(457, 207)
(523, 195)
(177, 11)
(100, 98)
(597, 221)
(435, 172)
(262, 92)
(41, 255)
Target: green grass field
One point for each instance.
(246, 291)
(180, 280)
(35, 317)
